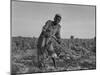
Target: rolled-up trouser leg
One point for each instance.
(40, 58)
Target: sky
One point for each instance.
(28, 18)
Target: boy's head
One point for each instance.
(57, 18)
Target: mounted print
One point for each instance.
(52, 37)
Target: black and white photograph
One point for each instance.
(52, 37)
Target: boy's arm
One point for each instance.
(46, 25)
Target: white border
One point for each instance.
(5, 37)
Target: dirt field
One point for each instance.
(79, 54)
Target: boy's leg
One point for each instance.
(53, 55)
(54, 62)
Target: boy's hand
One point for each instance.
(59, 41)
